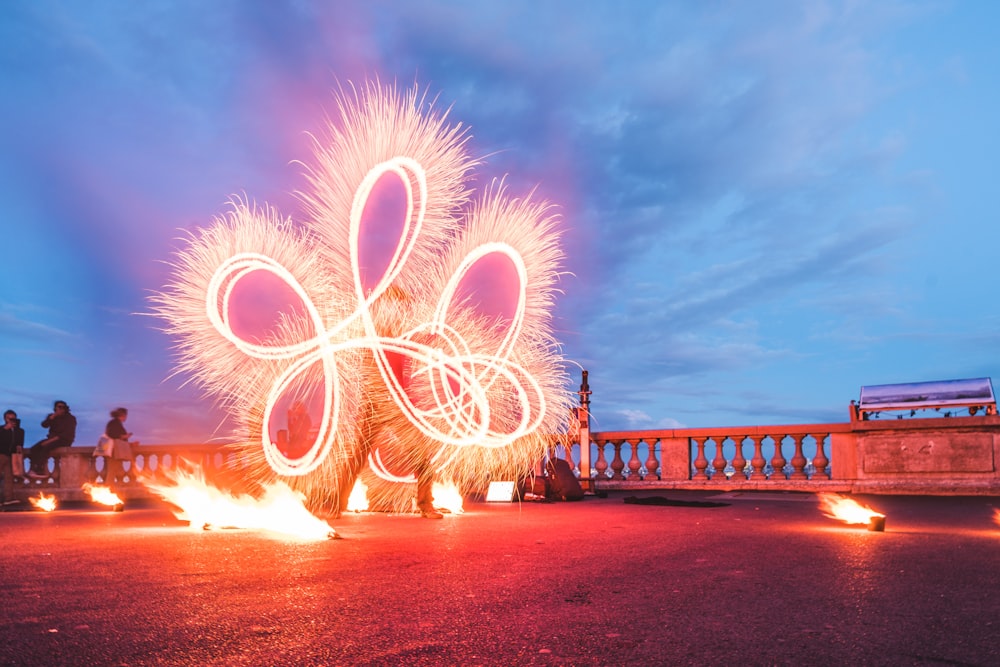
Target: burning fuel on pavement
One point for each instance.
(851, 512)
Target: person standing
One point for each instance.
(114, 470)
(62, 432)
(11, 443)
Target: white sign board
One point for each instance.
(500, 492)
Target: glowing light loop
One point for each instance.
(460, 380)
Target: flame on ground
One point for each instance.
(103, 495)
(845, 509)
(996, 516)
(358, 500)
(43, 502)
(278, 510)
(446, 496)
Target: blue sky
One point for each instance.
(767, 204)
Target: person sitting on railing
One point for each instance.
(114, 468)
(62, 432)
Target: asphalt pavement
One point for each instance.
(701, 579)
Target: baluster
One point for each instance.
(601, 465)
(568, 447)
(739, 463)
(634, 464)
(798, 459)
(617, 463)
(700, 462)
(778, 460)
(820, 461)
(719, 462)
(758, 461)
(651, 463)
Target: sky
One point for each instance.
(766, 205)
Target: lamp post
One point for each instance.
(583, 417)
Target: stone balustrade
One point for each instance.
(71, 467)
(952, 456)
(935, 456)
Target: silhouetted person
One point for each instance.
(11, 443)
(299, 428)
(62, 433)
(122, 450)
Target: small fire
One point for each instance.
(43, 502)
(996, 516)
(358, 500)
(446, 496)
(278, 510)
(103, 495)
(845, 509)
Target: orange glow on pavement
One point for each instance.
(845, 509)
(102, 495)
(279, 509)
(996, 516)
(43, 502)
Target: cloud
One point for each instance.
(15, 327)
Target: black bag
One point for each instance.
(563, 484)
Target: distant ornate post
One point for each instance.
(583, 433)
(820, 462)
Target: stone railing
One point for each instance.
(949, 456)
(72, 467)
(937, 456)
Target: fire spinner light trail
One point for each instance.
(403, 362)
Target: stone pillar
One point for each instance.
(74, 467)
(675, 459)
(843, 456)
